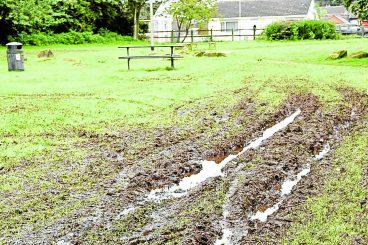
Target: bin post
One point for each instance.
(15, 56)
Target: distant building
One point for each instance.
(240, 16)
(339, 15)
(243, 15)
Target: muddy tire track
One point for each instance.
(171, 154)
(168, 156)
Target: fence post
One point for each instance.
(232, 34)
(192, 35)
(254, 32)
(172, 36)
(211, 38)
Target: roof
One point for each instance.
(337, 19)
(339, 11)
(335, 10)
(259, 8)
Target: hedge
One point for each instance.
(301, 30)
(72, 37)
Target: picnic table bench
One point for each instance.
(170, 56)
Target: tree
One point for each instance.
(57, 16)
(135, 7)
(358, 7)
(186, 13)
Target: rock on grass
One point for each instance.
(210, 54)
(359, 55)
(338, 55)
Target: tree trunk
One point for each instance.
(179, 23)
(136, 22)
(186, 35)
(187, 31)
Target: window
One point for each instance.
(229, 26)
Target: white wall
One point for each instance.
(312, 12)
(165, 23)
(162, 24)
(246, 25)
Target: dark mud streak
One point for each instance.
(169, 151)
(169, 156)
(209, 225)
(277, 225)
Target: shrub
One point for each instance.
(301, 30)
(72, 37)
(278, 31)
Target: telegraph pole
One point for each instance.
(240, 8)
(152, 37)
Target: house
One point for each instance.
(339, 15)
(243, 15)
(238, 17)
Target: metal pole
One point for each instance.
(152, 37)
(254, 32)
(240, 9)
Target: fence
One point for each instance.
(206, 35)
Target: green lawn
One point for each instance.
(86, 90)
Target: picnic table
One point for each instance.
(172, 56)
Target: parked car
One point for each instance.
(348, 29)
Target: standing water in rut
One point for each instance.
(286, 189)
(288, 186)
(212, 169)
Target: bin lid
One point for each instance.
(14, 44)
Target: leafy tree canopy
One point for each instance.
(56, 16)
(358, 7)
(186, 13)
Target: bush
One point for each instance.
(72, 37)
(301, 30)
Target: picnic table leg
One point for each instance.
(129, 64)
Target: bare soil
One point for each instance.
(140, 160)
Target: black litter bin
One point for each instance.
(15, 56)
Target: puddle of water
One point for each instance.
(226, 231)
(287, 188)
(225, 237)
(218, 159)
(211, 169)
(323, 153)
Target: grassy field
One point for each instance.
(50, 112)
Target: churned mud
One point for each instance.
(209, 187)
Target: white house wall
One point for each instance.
(312, 12)
(163, 24)
(246, 25)
(162, 27)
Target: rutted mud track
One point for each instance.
(251, 183)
